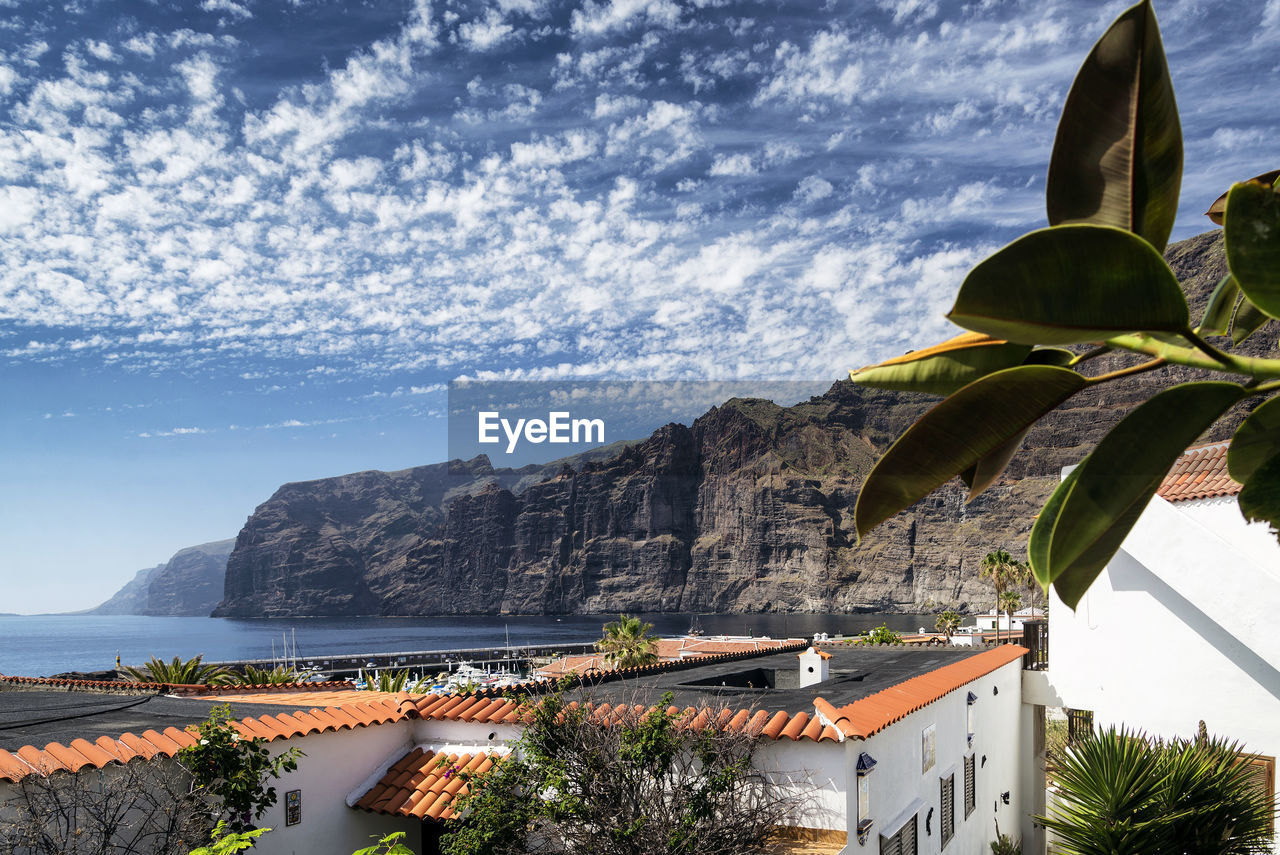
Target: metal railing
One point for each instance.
(1035, 637)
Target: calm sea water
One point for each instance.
(44, 645)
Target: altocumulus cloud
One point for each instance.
(547, 189)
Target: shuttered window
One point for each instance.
(1263, 772)
(970, 786)
(947, 822)
(902, 843)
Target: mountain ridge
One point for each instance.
(747, 509)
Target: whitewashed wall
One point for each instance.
(1181, 626)
(900, 788)
(336, 764)
(818, 770)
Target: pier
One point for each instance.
(423, 661)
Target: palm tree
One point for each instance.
(193, 672)
(254, 676)
(1003, 572)
(1010, 602)
(626, 643)
(947, 623)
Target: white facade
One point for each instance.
(336, 764)
(1180, 627)
(988, 621)
(900, 787)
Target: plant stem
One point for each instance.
(1125, 372)
(1204, 346)
(1261, 369)
(1101, 350)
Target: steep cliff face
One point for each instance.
(748, 509)
(131, 599)
(188, 584)
(192, 582)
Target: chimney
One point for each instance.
(814, 667)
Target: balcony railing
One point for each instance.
(1035, 637)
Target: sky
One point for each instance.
(246, 242)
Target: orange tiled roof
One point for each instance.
(1200, 473)
(780, 725)
(671, 650)
(287, 697)
(424, 784)
(106, 750)
(874, 713)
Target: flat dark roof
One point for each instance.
(33, 716)
(768, 682)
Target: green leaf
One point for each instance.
(1219, 206)
(1115, 482)
(1221, 308)
(1256, 441)
(1260, 496)
(943, 368)
(1117, 158)
(1246, 321)
(1042, 530)
(1049, 356)
(984, 473)
(957, 433)
(1071, 284)
(1251, 230)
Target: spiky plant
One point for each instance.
(192, 672)
(276, 676)
(1119, 791)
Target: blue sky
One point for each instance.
(247, 242)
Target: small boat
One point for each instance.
(695, 628)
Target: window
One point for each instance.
(947, 822)
(1263, 770)
(970, 786)
(902, 843)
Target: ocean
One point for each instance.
(42, 645)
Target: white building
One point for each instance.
(907, 750)
(990, 621)
(1182, 625)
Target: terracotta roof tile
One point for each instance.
(1200, 473)
(105, 750)
(874, 713)
(424, 784)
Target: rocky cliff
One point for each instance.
(131, 599)
(748, 509)
(188, 584)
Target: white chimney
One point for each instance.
(813, 667)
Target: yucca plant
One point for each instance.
(192, 672)
(1119, 791)
(1096, 279)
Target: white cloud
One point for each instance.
(486, 33)
(598, 18)
(733, 165)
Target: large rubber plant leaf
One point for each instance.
(957, 433)
(943, 368)
(1071, 284)
(984, 473)
(1114, 483)
(1219, 206)
(1221, 308)
(1117, 157)
(1251, 230)
(1256, 441)
(1260, 496)
(1246, 320)
(1042, 530)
